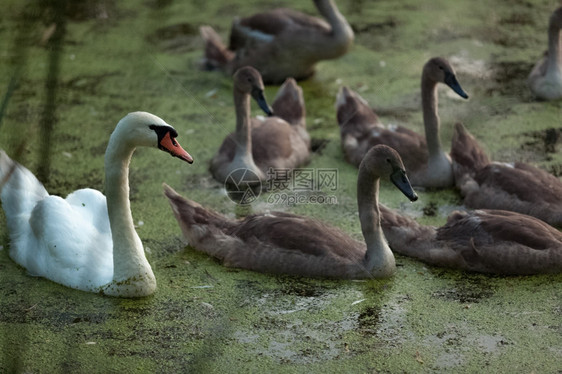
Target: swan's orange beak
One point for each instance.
(171, 146)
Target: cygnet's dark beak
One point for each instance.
(257, 94)
(401, 181)
(451, 81)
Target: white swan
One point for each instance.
(545, 80)
(83, 241)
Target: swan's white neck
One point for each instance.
(379, 260)
(131, 269)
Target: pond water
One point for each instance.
(65, 88)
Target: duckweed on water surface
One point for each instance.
(118, 57)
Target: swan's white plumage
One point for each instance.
(65, 240)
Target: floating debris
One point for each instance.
(418, 357)
(207, 305)
(212, 93)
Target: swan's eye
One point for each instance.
(173, 135)
(161, 131)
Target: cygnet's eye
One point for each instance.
(388, 160)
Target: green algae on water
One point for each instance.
(119, 57)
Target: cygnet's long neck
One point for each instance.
(242, 135)
(342, 34)
(554, 64)
(430, 116)
(128, 253)
(379, 260)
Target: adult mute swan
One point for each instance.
(545, 80)
(285, 243)
(426, 163)
(280, 43)
(86, 241)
